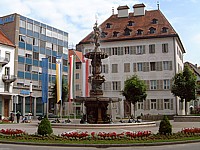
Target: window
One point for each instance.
(126, 50)
(54, 34)
(103, 34)
(29, 26)
(130, 23)
(29, 40)
(55, 47)
(60, 49)
(7, 70)
(78, 66)
(151, 48)
(153, 103)
(153, 84)
(127, 31)
(60, 36)
(28, 68)
(48, 33)
(64, 62)
(114, 51)
(153, 66)
(104, 68)
(114, 68)
(116, 85)
(155, 21)
(165, 48)
(22, 38)
(166, 84)
(139, 49)
(77, 76)
(42, 44)
(127, 67)
(48, 45)
(115, 34)
(152, 30)
(139, 67)
(166, 104)
(166, 65)
(36, 28)
(164, 30)
(65, 37)
(140, 105)
(28, 55)
(77, 87)
(139, 32)
(42, 30)
(108, 25)
(35, 42)
(35, 55)
(7, 56)
(22, 24)
(53, 59)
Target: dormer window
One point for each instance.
(155, 21)
(152, 30)
(139, 32)
(127, 31)
(130, 23)
(164, 30)
(103, 34)
(115, 34)
(108, 25)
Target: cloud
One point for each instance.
(75, 17)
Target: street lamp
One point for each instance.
(31, 90)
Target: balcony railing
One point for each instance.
(9, 78)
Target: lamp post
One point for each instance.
(31, 90)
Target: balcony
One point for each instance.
(3, 61)
(9, 78)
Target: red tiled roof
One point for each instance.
(122, 7)
(143, 23)
(4, 40)
(138, 5)
(78, 54)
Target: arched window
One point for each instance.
(154, 21)
(108, 25)
(164, 30)
(131, 23)
(115, 34)
(127, 31)
(139, 32)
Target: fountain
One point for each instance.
(96, 105)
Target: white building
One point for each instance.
(7, 51)
(143, 43)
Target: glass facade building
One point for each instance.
(34, 40)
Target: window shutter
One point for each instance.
(167, 48)
(145, 104)
(161, 104)
(118, 51)
(143, 47)
(119, 85)
(146, 66)
(159, 66)
(172, 104)
(170, 65)
(106, 68)
(148, 104)
(147, 83)
(122, 50)
(133, 50)
(171, 81)
(158, 104)
(161, 84)
(134, 67)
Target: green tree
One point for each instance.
(44, 127)
(184, 85)
(165, 127)
(134, 90)
(64, 91)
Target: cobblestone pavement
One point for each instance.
(31, 128)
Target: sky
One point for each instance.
(77, 17)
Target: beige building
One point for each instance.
(144, 43)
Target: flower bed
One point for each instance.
(12, 132)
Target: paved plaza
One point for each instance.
(31, 128)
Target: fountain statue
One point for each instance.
(96, 105)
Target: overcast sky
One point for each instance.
(77, 17)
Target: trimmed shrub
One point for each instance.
(165, 126)
(44, 127)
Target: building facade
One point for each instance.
(143, 43)
(33, 41)
(7, 51)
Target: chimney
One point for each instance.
(123, 11)
(139, 9)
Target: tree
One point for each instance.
(134, 90)
(165, 127)
(184, 86)
(44, 127)
(64, 91)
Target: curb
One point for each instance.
(101, 145)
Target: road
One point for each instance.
(192, 146)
